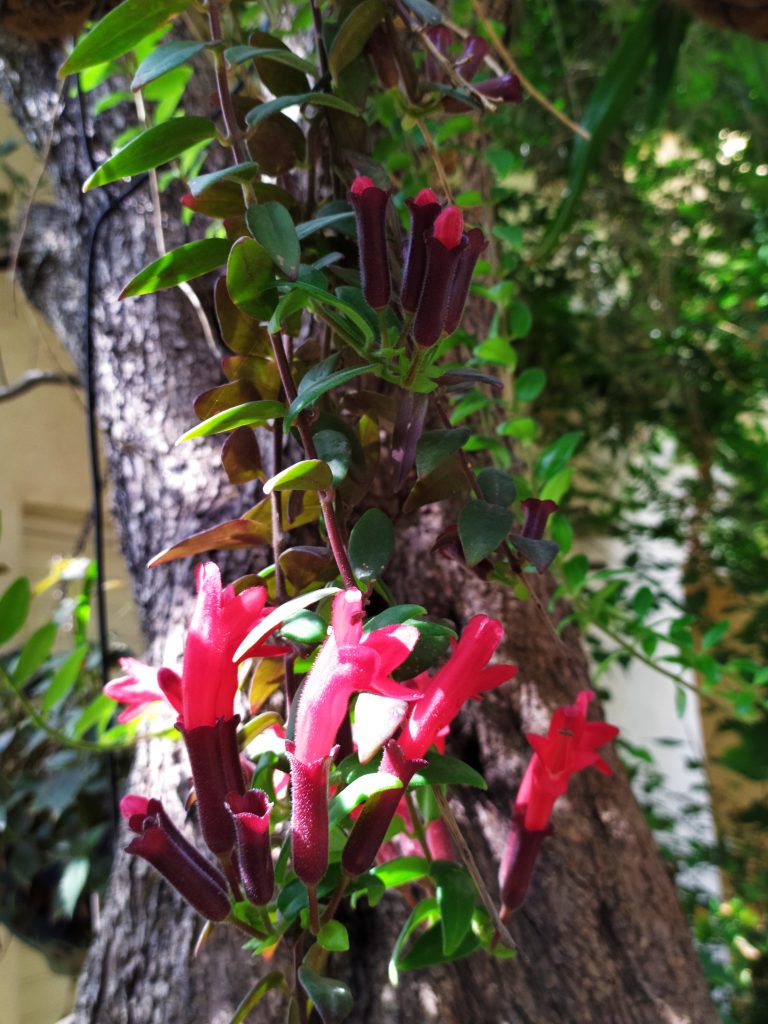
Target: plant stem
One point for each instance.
(314, 913)
(277, 523)
(471, 865)
(326, 499)
(436, 159)
(333, 906)
(222, 86)
(418, 825)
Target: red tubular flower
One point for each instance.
(309, 815)
(216, 771)
(475, 52)
(250, 814)
(537, 512)
(370, 206)
(444, 249)
(160, 842)
(569, 746)
(462, 278)
(143, 685)
(424, 210)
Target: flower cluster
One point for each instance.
(569, 747)
(440, 258)
(502, 89)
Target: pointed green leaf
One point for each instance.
(308, 475)
(371, 545)
(281, 78)
(447, 480)
(354, 32)
(456, 900)
(119, 31)
(238, 54)
(358, 791)
(271, 981)
(334, 448)
(183, 264)
(482, 527)
(64, 678)
(332, 999)
(540, 553)
(317, 99)
(435, 445)
(272, 227)
(426, 910)
(555, 458)
(530, 384)
(153, 147)
(164, 59)
(427, 950)
(251, 279)
(249, 414)
(333, 936)
(244, 172)
(280, 615)
(35, 652)
(401, 871)
(449, 771)
(14, 608)
(497, 487)
(309, 227)
(236, 533)
(316, 391)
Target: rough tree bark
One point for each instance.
(602, 938)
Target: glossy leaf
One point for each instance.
(240, 333)
(277, 143)
(248, 415)
(272, 227)
(354, 32)
(377, 719)
(332, 998)
(14, 608)
(244, 172)
(34, 652)
(235, 533)
(427, 950)
(482, 527)
(307, 475)
(444, 770)
(436, 445)
(317, 99)
(497, 487)
(311, 394)
(456, 900)
(447, 480)
(393, 616)
(241, 457)
(305, 628)
(371, 545)
(358, 791)
(530, 384)
(119, 31)
(305, 564)
(401, 871)
(335, 449)
(238, 54)
(426, 910)
(280, 615)
(225, 396)
(540, 553)
(251, 279)
(433, 642)
(165, 58)
(334, 937)
(183, 264)
(153, 147)
(555, 458)
(284, 77)
(331, 220)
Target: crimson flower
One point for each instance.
(370, 205)
(250, 814)
(141, 686)
(424, 210)
(444, 248)
(537, 512)
(462, 278)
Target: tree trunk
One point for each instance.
(601, 938)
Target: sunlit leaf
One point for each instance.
(183, 264)
(153, 147)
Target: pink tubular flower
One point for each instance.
(141, 686)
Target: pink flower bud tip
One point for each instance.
(449, 227)
(425, 197)
(360, 185)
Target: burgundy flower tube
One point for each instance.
(462, 278)
(506, 88)
(161, 844)
(475, 52)
(250, 814)
(215, 761)
(440, 37)
(518, 863)
(424, 211)
(537, 512)
(370, 206)
(309, 816)
(370, 828)
(443, 251)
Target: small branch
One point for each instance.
(471, 865)
(32, 378)
(277, 520)
(314, 913)
(326, 499)
(436, 159)
(526, 83)
(418, 825)
(222, 86)
(486, 103)
(333, 906)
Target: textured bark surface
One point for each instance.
(602, 938)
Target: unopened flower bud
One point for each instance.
(506, 89)
(475, 52)
(443, 251)
(215, 761)
(424, 209)
(537, 512)
(370, 205)
(250, 814)
(440, 37)
(462, 278)
(309, 816)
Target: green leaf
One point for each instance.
(575, 572)
(272, 227)
(35, 652)
(333, 936)
(423, 9)
(64, 678)
(371, 545)
(280, 615)
(482, 527)
(153, 147)
(251, 279)
(400, 871)
(498, 351)
(307, 475)
(119, 31)
(714, 635)
(332, 999)
(354, 32)
(522, 427)
(71, 885)
(555, 458)
(324, 298)
(540, 553)
(556, 486)
(497, 487)
(305, 628)
(358, 791)
(284, 77)
(311, 394)
(435, 445)
(244, 172)
(309, 227)
(530, 384)
(447, 480)
(334, 448)
(608, 101)
(427, 950)
(249, 414)
(14, 608)
(317, 99)
(433, 643)
(270, 981)
(183, 264)
(394, 616)
(456, 901)
(519, 319)
(426, 910)
(444, 770)
(681, 700)
(239, 54)
(165, 58)
(235, 533)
